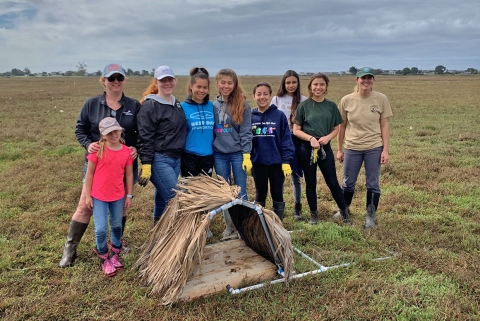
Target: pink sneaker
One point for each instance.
(107, 266)
(115, 258)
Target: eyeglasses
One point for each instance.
(114, 77)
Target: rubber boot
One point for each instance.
(229, 227)
(314, 218)
(279, 209)
(340, 216)
(346, 215)
(297, 211)
(372, 205)
(74, 236)
(114, 257)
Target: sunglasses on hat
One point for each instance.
(114, 77)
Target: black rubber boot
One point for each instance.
(297, 211)
(348, 196)
(74, 236)
(279, 209)
(124, 222)
(346, 215)
(372, 205)
(314, 218)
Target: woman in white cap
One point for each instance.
(364, 138)
(162, 131)
(112, 103)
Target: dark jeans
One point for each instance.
(194, 165)
(327, 167)
(264, 173)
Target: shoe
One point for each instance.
(314, 218)
(107, 266)
(297, 212)
(279, 209)
(338, 216)
(115, 259)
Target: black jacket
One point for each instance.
(95, 109)
(162, 128)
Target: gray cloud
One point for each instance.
(249, 36)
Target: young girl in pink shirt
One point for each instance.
(105, 189)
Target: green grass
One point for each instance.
(427, 220)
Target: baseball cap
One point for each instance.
(108, 124)
(365, 71)
(163, 71)
(111, 69)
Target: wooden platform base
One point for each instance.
(229, 262)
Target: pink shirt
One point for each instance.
(107, 183)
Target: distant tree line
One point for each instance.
(439, 70)
(81, 71)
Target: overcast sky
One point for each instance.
(249, 36)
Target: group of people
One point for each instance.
(287, 134)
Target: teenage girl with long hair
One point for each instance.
(233, 134)
(287, 100)
(317, 122)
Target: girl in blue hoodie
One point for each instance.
(272, 148)
(198, 155)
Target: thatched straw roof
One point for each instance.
(175, 245)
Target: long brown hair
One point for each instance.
(236, 100)
(151, 89)
(297, 95)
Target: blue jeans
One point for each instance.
(232, 161)
(352, 163)
(101, 211)
(164, 177)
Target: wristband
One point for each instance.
(129, 196)
(311, 138)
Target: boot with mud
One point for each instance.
(313, 218)
(74, 236)
(297, 211)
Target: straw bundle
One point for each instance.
(175, 245)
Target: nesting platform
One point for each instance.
(227, 263)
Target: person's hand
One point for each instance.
(145, 173)
(133, 152)
(323, 140)
(384, 157)
(89, 201)
(340, 156)
(314, 143)
(287, 170)
(128, 203)
(247, 164)
(93, 147)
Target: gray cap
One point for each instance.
(163, 71)
(108, 124)
(111, 69)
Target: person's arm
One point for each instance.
(385, 139)
(245, 131)
(88, 183)
(297, 131)
(128, 185)
(324, 140)
(340, 139)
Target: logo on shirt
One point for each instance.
(263, 130)
(202, 115)
(374, 109)
(128, 113)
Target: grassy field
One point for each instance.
(428, 218)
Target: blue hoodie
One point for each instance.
(200, 121)
(272, 141)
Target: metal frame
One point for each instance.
(258, 209)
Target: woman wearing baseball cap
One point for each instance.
(364, 138)
(162, 131)
(111, 103)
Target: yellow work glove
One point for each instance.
(287, 170)
(145, 173)
(314, 156)
(247, 164)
